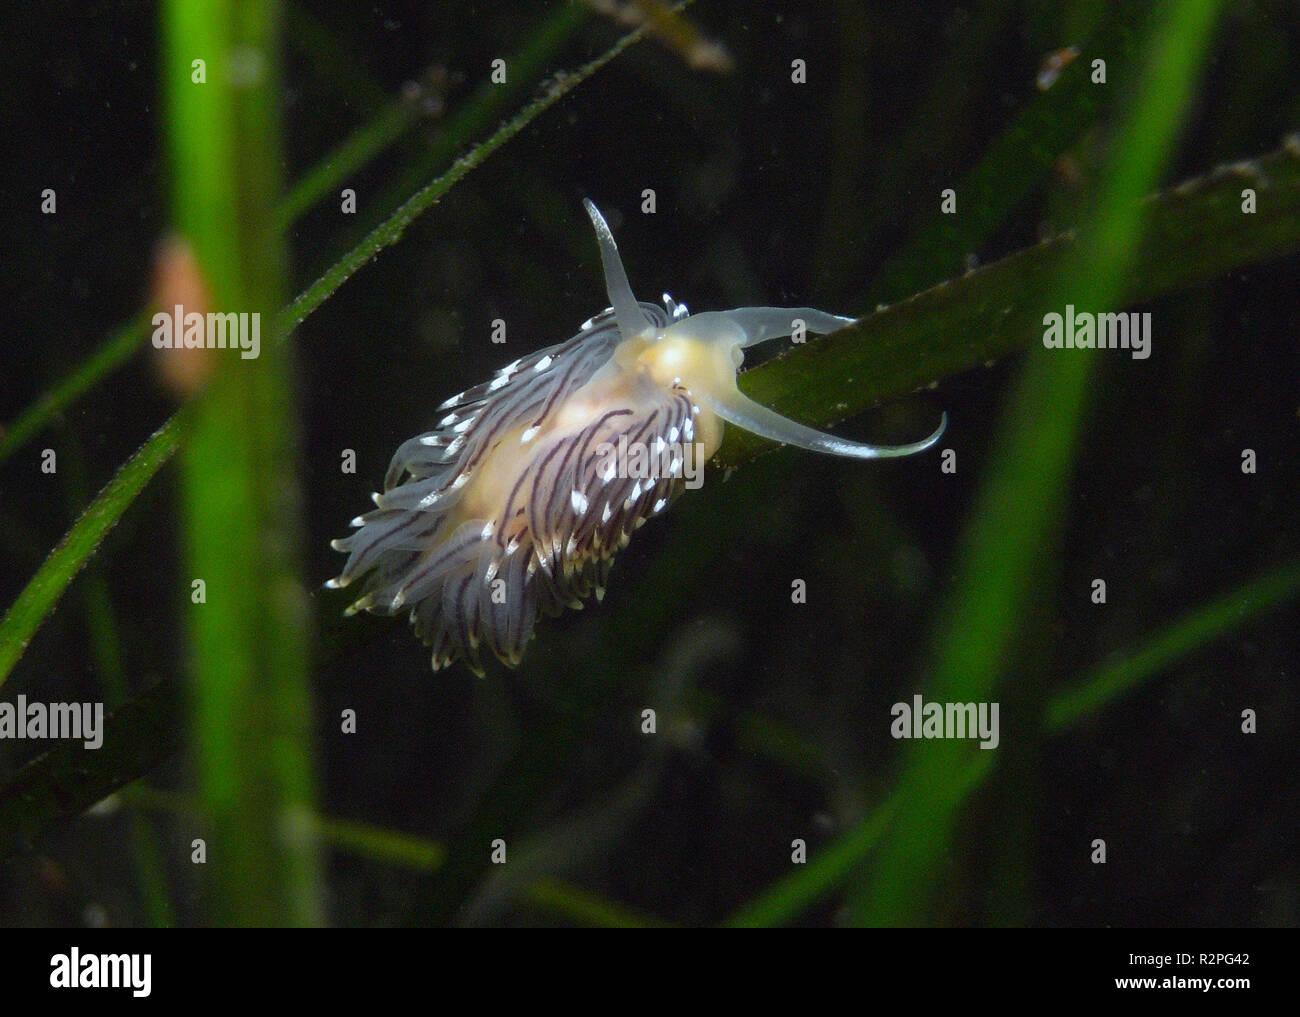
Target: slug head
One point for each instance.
(703, 352)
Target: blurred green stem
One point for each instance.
(806, 885)
(1203, 625)
(42, 592)
(249, 619)
(1017, 517)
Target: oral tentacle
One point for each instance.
(763, 323)
(737, 408)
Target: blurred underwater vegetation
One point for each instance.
(797, 154)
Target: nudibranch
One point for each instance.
(518, 499)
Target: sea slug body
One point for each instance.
(518, 499)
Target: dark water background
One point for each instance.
(774, 718)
